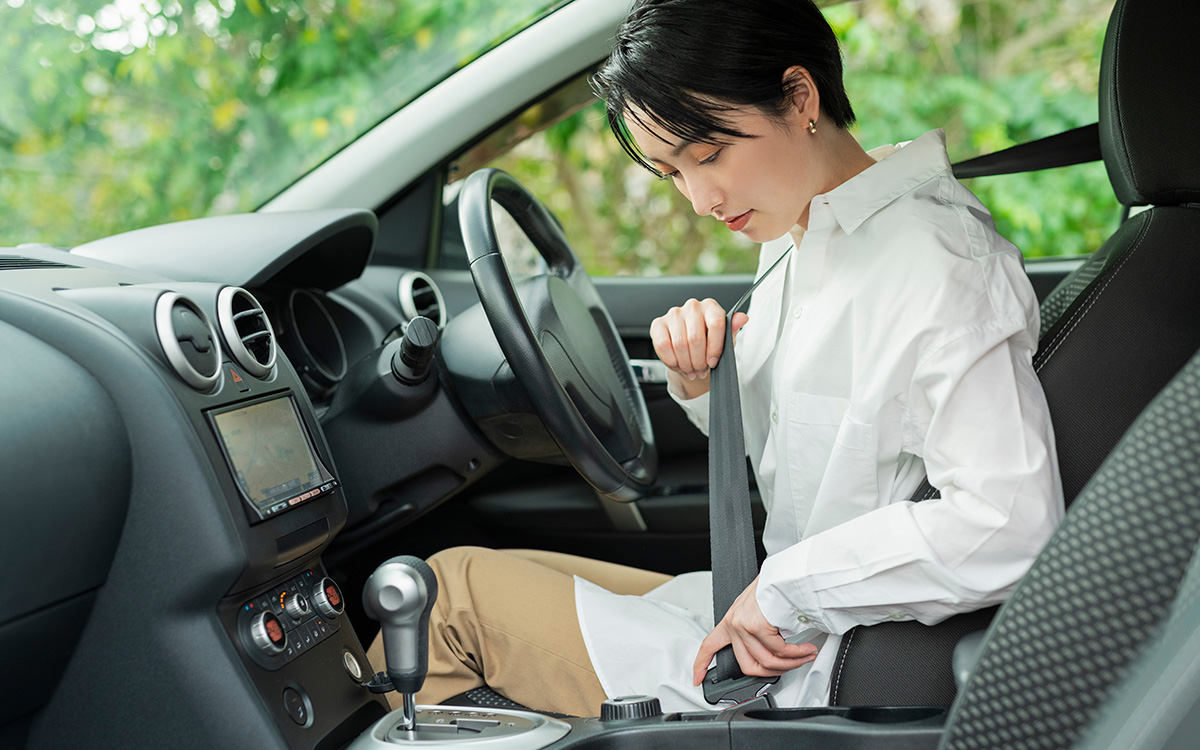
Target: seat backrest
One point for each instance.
(1131, 329)
(1096, 592)
(1118, 329)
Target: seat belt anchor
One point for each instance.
(736, 690)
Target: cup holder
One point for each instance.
(861, 714)
(792, 714)
(892, 714)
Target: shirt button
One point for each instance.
(802, 618)
(775, 417)
(896, 616)
(796, 313)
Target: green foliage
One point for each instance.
(117, 116)
(992, 73)
(620, 218)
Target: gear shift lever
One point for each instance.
(400, 594)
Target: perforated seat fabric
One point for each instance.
(1096, 592)
(1157, 707)
(484, 698)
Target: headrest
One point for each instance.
(1150, 101)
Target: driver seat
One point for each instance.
(1114, 332)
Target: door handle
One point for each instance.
(649, 371)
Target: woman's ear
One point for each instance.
(799, 86)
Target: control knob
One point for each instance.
(410, 365)
(328, 598)
(630, 707)
(297, 607)
(268, 634)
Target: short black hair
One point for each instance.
(684, 62)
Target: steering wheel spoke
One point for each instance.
(560, 342)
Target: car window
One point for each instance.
(118, 115)
(620, 219)
(991, 73)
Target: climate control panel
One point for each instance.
(286, 621)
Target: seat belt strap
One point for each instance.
(1078, 146)
(731, 530)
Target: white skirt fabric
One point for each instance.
(645, 645)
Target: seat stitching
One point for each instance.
(1064, 330)
(837, 680)
(1081, 294)
(1078, 317)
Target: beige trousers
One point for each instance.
(506, 619)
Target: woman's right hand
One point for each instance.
(689, 340)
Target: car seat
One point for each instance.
(1157, 706)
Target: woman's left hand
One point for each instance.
(761, 651)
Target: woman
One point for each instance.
(894, 339)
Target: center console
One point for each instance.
(281, 614)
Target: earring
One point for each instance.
(812, 127)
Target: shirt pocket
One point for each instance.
(832, 468)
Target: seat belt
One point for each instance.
(1078, 146)
(731, 531)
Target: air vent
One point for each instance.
(247, 330)
(188, 340)
(21, 263)
(420, 296)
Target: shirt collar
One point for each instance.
(860, 197)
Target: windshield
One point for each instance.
(120, 115)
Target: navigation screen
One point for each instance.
(270, 454)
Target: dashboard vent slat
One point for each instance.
(247, 330)
(21, 263)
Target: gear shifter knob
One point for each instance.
(400, 594)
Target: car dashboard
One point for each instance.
(170, 486)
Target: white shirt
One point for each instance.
(897, 341)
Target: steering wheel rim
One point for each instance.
(621, 477)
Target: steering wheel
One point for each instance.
(560, 342)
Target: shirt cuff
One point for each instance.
(783, 596)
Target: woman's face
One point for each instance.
(760, 186)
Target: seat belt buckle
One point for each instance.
(736, 690)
